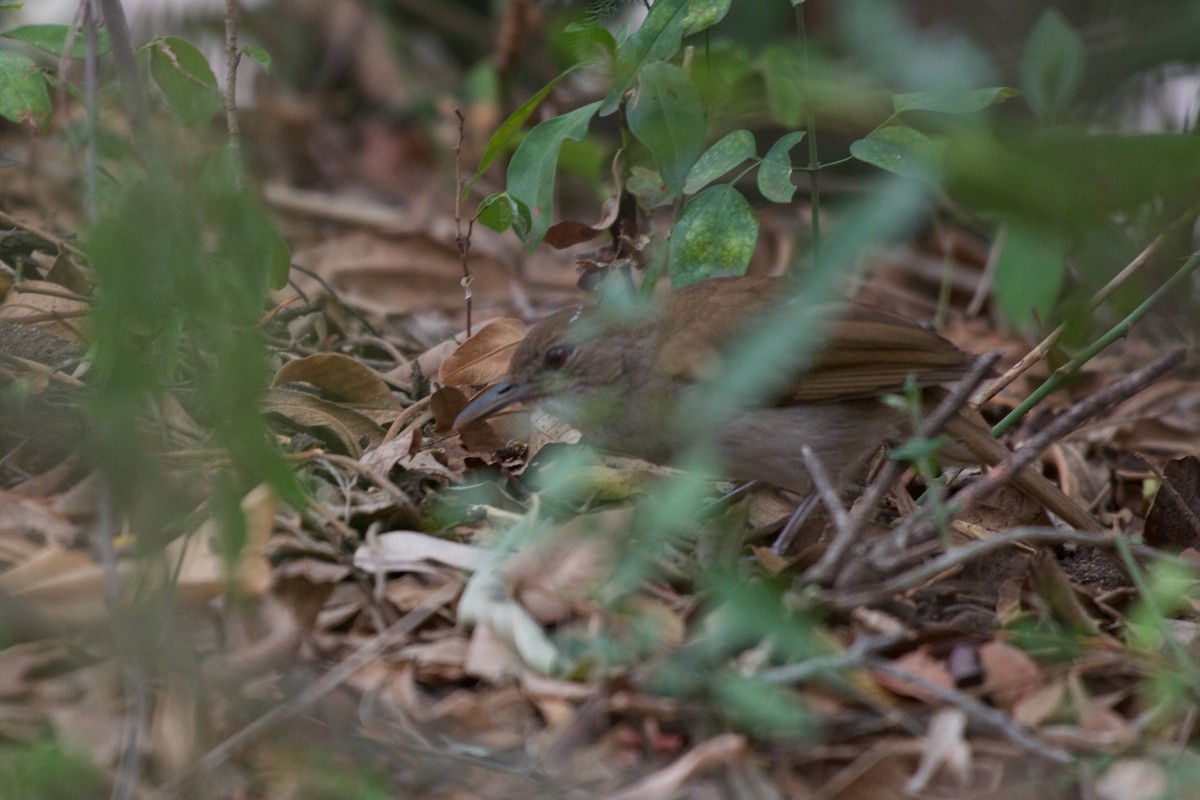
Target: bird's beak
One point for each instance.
(502, 395)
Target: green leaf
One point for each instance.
(730, 150)
(775, 173)
(280, 263)
(497, 211)
(667, 116)
(533, 166)
(715, 235)
(781, 69)
(580, 36)
(967, 102)
(259, 54)
(1052, 68)
(188, 83)
(703, 14)
(508, 129)
(657, 39)
(648, 187)
(901, 150)
(23, 93)
(53, 39)
(1029, 273)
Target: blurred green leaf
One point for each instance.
(580, 35)
(53, 39)
(767, 711)
(648, 187)
(1029, 274)
(1070, 179)
(900, 149)
(775, 173)
(667, 116)
(657, 39)
(185, 79)
(781, 69)
(533, 166)
(23, 93)
(1052, 68)
(279, 265)
(715, 235)
(729, 151)
(497, 211)
(967, 102)
(703, 14)
(504, 134)
(259, 54)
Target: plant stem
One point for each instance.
(810, 121)
(1120, 330)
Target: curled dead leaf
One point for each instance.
(334, 424)
(343, 376)
(484, 357)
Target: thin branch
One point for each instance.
(463, 241)
(125, 61)
(1043, 348)
(888, 555)
(233, 58)
(835, 555)
(372, 649)
(1118, 331)
(979, 712)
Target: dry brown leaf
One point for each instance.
(945, 748)
(922, 665)
(203, 572)
(42, 305)
(22, 517)
(489, 656)
(332, 423)
(348, 378)
(65, 585)
(1168, 526)
(1009, 673)
(392, 453)
(483, 359)
(173, 729)
(1132, 779)
(876, 773)
(401, 551)
(724, 750)
(1039, 705)
(390, 275)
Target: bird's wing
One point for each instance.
(866, 352)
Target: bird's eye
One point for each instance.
(556, 356)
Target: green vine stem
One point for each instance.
(1119, 331)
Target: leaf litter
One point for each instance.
(434, 616)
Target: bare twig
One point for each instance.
(233, 57)
(127, 71)
(373, 648)
(854, 656)
(42, 233)
(376, 477)
(1118, 331)
(888, 555)
(980, 713)
(463, 241)
(1043, 348)
(926, 571)
(835, 555)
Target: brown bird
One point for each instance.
(629, 385)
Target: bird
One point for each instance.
(631, 382)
